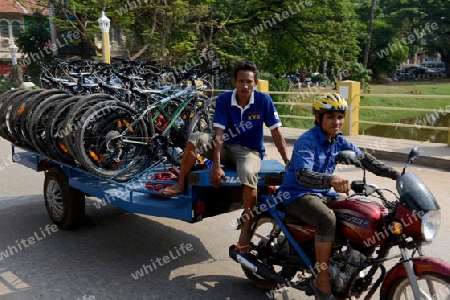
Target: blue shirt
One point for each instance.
(313, 151)
(244, 126)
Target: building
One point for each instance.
(13, 16)
(12, 20)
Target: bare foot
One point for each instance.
(173, 190)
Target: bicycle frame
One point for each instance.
(174, 116)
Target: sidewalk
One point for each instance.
(433, 155)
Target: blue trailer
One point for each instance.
(66, 186)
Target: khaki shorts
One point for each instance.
(246, 161)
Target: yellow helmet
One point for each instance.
(329, 102)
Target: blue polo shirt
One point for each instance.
(244, 126)
(313, 151)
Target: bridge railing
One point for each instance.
(351, 90)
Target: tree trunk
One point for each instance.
(369, 40)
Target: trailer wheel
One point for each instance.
(65, 205)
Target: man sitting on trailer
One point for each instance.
(238, 141)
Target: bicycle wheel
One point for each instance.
(29, 107)
(7, 94)
(5, 112)
(56, 131)
(14, 122)
(73, 120)
(199, 118)
(203, 120)
(107, 144)
(38, 123)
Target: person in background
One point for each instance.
(27, 84)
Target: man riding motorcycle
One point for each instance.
(309, 179)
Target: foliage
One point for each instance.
(35, 36)
(279, 35)
(357, 72)
(5, 84)
(413, 24)
(387, 49)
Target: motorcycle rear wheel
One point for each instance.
(401, 290)
(261, 233)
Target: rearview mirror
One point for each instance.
(347, 157)
(413, 154)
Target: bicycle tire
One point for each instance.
(5, 113)
(73, 120)
(99, 143)
(4, 100)
(56, 131)
(17, 108)
(8, 93)
(30, 107)
(38, 122)
(199, 116)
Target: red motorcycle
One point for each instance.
(283, 247)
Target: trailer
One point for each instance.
(66, 186)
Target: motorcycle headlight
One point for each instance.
(430, 224)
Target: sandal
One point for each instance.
(320, 295)
(243, 249)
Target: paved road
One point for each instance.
(96, 261)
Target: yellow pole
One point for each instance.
(350, 90)
(448, 135)
(263, 85)
(105, 47)
(104, 24)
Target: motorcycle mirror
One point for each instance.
(413, 154)
(347, 157)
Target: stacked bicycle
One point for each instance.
(107, 136)
(81, 77)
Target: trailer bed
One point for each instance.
(201, 199)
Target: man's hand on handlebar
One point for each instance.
(340, 185)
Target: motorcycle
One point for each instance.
(283, 247)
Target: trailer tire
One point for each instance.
(65, 205)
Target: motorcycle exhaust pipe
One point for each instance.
(256, 267)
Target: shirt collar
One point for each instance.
(234, 99)
(322, 138)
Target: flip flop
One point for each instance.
(168, 193)
(243, 249)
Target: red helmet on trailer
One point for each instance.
(171, 175)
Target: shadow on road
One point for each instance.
(98, 259)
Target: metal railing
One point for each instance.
(355, 119)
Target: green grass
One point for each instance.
(440, 87)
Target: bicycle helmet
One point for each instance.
(26, 77)
(329, 102)
(155, 184)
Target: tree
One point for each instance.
(426, 19)
(279, 35)
(387, 50)
(35, 36)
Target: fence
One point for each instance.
(351, 90)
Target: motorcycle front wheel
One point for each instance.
(260, 238)
(433, 286)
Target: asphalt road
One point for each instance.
(184, 261)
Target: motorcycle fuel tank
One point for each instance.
(361, 221)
